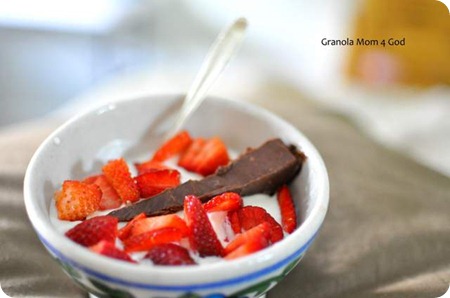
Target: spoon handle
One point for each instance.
(220, 53)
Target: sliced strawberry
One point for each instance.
(147, 240)
(93, 230)
(251, 216)
(118, 175)
(172, 147)
(91, 179)
(158, 222)
(150, 166)
(225, 202)
(233, 218)
(212, 155)
(110, 198)
(110, 250)
(152, 183)
(287, 209)
(260, 231)
(76, 200)
(125, 232)
(169, 254)
(249, 242)
(188, 157)
(202, 238)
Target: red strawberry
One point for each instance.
(110, 250)
(147, 240)
(225, 202)
(212, 155)
(90, 179)
(187, 158)
(251, 216)
(158, 222)
(202, 238)
(110, 198)
(150, 166)
(125, 232)
(152, 183)
(93, 230)
(118, 175)
(287, 208)
(169, 254)
(233, 218)
(76, 200)
(249, 242)
(172, 147)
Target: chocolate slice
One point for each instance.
(260, 170)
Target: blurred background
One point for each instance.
(58, 58)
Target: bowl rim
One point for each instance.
(273, 257)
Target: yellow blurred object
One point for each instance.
(421, 57)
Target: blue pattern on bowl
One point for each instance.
(81, 273)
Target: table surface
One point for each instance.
(386, 234)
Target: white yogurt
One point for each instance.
(218, 219)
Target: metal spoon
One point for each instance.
(220, 53)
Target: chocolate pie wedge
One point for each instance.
(260, 170)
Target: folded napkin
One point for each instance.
(26, 269)
(386, 234)
(387, 231)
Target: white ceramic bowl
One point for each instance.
(131, 129)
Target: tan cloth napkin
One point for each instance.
(387, 232)
(26, 269)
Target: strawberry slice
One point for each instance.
(152, 183)
(172, 147)
(110, 199)
(169, 254)
(93, 230)
(150, 166)
(110, 250)
(202, 238)
(147, 240)
(158, 222)
(76, 200)
(228, 201)
(233, 219)
(287, 209)
(188, 157)
(251, 216)
(90, 179)
(212, 155)
(125, 232)
(253, 240)
(118, 175)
